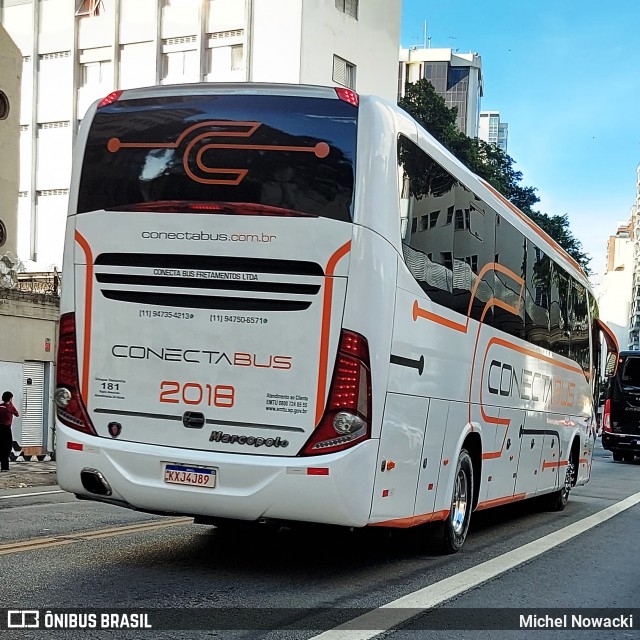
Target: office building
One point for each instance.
(614, 292)
(493, 131)
(457, 77)
(634, 315)
(10, 71)
(76, 51)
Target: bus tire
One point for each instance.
(453, 531)
(557, 500)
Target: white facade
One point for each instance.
(10, 70)
(492, 130)
(84, 49)
(634, 317)
(457, 77)
(614, 299)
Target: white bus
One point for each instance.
(291, 304)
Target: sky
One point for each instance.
(565, 76)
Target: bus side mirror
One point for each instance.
(611, 360)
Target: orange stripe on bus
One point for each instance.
(419, 312)
(88, 305)
(559, 463)
(487, 504)
(413, 521)
(325, 330)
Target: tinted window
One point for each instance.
(449, 233)
(473, 250)
(538, 296)
(427, 188)
(579, 325)
(630, 373)
(293, 153)
(508, 314)
(559, 326)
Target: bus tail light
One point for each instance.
(69, 406)
(347, 416)
(606, 417)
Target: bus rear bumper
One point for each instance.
(331, 489)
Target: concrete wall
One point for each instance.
(28, 332)
(371, 43)
(10, 70)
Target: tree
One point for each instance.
(487, 161)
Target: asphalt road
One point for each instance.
(76, 554)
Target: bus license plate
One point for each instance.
(191, 476)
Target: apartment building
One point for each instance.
(492, 130)
(614, 293)
(10, 70)
(457, 77)
(634, 314)
(76, 51)
(28, 306)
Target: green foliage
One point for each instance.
(487, 161)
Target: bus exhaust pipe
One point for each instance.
(94, 482)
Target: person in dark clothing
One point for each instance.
(7, 412)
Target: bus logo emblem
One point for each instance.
(115, 429)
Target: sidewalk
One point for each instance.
(28, 474)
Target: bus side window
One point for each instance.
(509, 279)
(559, 326)
(538, 296)
(579, 325)
(473, 242)
(428, 243)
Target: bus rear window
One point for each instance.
(280, 154)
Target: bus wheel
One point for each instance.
(557, 500)
(455, 527)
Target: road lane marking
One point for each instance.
(403, 609)
(64, 539)
(28, 495)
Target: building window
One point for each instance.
(463, 219)
(89, 7)
(344, 72)
(93, 74)
(433, 219)
(237, 57)
(472, 261)
(446, 259)
(179, 66)
(350, 7)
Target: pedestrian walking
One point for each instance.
(7, 412)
